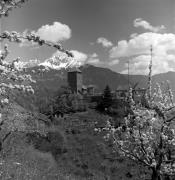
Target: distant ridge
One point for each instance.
(98, 76)
(49, 82)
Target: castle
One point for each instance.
(75, 82)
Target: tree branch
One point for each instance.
(17, 37)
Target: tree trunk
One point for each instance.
(155, 175)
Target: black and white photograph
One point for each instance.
(87, 89)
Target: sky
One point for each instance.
(105, 33)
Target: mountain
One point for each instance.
(164, 77)
(53, 79)
(59, 61)
(48, 82)
(100, 77)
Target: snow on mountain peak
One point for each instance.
(59, 61)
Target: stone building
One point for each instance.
(75, 80)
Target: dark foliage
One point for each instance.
(53, 142)
(106, 101)
(63, 102)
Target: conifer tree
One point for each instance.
(107, 98)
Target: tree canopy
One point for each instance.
(148, 133)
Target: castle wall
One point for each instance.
(75, 81)
(79, 82)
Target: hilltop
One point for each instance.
(49, 82)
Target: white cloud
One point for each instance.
(104, 42)
(94, 55)
(27, 64)
(55, 33)
(139, 22)
(113, 62)
(60, 60)
(80, 57)
(83, 58)
(139, 64)
(141, 43)
(133, 35)
(137, 48)
(93, 59)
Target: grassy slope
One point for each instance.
(19, 159)
(88, 156)
(67, 149)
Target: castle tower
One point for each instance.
(75, 81)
